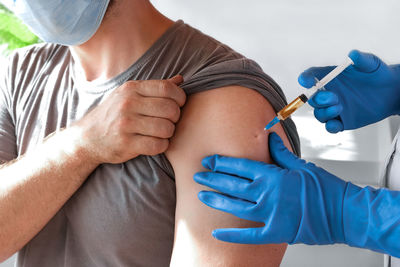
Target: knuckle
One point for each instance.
(184, 97)
(179, 95)
(173, 111)
(167, 129)
(253, 188)
(123, 123)
(255, 209)
(122, 141)
(157, 146)
(128, 86)
(250, 187)
(258, 189)
(164, 87)
(309, 165)
(161, 128)
(125, 105)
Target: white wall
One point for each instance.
(287, 36)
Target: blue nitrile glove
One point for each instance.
(364, 93)
(299, 203)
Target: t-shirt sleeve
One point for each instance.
(8, 146)
(247, 73)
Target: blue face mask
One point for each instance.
(66, 22)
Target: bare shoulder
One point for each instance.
(227, 121)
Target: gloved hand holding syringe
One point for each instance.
(284, 113)
(332, 210)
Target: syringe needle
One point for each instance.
(272, 123)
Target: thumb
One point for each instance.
(364, 62)
(281, 155)
(177, 79)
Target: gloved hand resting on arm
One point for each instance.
(299, 203)
(364, 93)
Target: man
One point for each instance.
(83, 129)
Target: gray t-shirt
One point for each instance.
(123, 215)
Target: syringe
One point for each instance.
(284, 113)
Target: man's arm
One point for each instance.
(136, 118)
(227, 121)
(34, 187)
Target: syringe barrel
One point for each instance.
(329, 77)
(284, 113)
(335, 72)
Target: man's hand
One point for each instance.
(364, 93)
(138, 118)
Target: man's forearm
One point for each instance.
(34, 187)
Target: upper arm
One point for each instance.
(227, 121)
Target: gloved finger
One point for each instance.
(323, 99)
(226, 184)
(329, 113)
(238, 207)
(240, 235)
(334, 126)
(281, 155)
(364, 62)
(307, 78)
(245, 168)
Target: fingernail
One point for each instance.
(214, 234)
(178, 76)
(198, 177)
(209, 162)
(202, 196)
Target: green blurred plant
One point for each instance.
(13, 33)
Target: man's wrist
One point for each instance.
(72, 143)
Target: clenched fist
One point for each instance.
(138, 118)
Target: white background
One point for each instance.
(287, 36)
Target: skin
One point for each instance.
(140, 118)
(137, 118)
(224, 121)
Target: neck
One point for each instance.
(126, 33)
